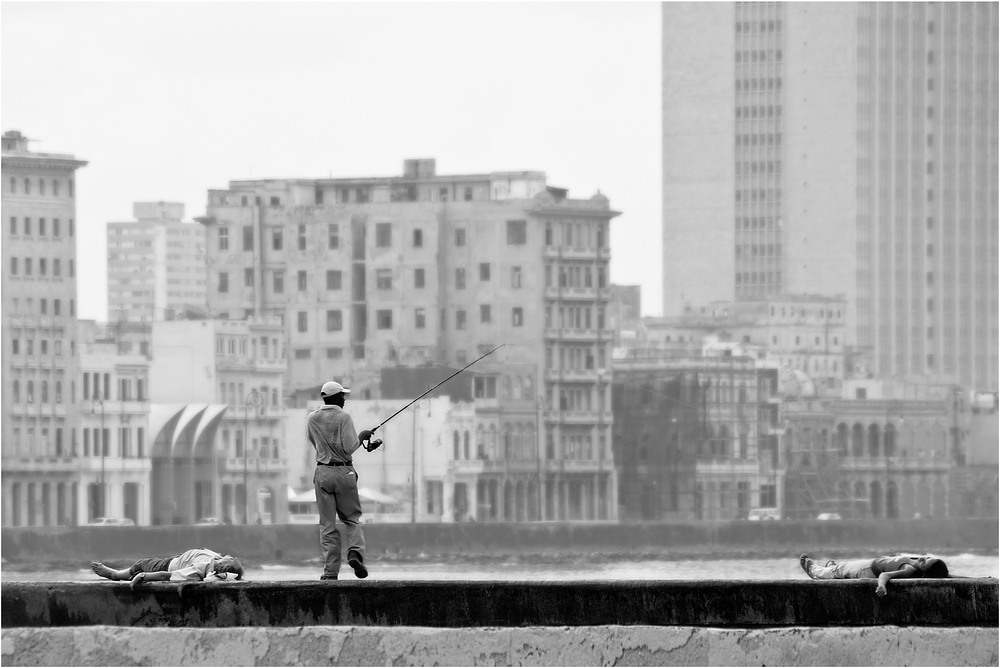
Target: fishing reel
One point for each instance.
(373, 444)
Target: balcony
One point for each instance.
(272, 365)
(895, 464)
(253, 465)
(589, 294)
(726, 465)
(574, 375)
(572, 253)
(232, 362)
(467, 466)
(92, 463)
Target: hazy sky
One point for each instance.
(168, 100)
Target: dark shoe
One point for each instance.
(831, 563)
(357, 563)
(806, 563)
(328, 577)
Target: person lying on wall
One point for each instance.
(882, 568)
(196, 564)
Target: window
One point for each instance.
(420, 318)
(72, 228)
(41, 226)
(418, 278)
(223, 238)
(27, 227)
(279, 282)
(468, 194)
(275, 201)
(27, 186)
(43, 267)
(223, 282)
(460, 279)
(13, 225)
(334, 353)
(517, 316)
(333, 279)
(383, 235)
(302, 237)
(277, 240)
(27, 266)
(460, 236)
(13, 185)
(515, 277)
(383, 279)
(485, 313)
(383, 319)
(13, 266)
(303, 281)
(301, 354)
(248, 278)
(443, 194)
(57, 307)
(303, 321)
(484, 271)
(418, 238)
(55, 226)
(333, 235)
(517, 232)
(248, 238)
(334, 321)
(460, 319)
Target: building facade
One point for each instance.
(863, 165)
(156, 264)
(366, 273)
(39, 411)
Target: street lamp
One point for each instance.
(98, 399)
(253, 400)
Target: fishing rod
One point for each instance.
(429, 391)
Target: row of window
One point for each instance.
(760, 195)
(12, 186)
(751, 168)
(769, 56)
(29, 391)
(577, 276)
(97, 387)
(755, 250)
(383, 318)
(753, 85)
(758, 140)
(748, 27)
(757, 223)
(27, 267)
(230, 345)
(43, 306)
(753, 277)
(43, 346)
(574, 317)
(754, 112)
(235, 396)
(43, 228)
(577, 357)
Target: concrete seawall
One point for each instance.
(301, 542)
(933, 622)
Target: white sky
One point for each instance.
(167, 100)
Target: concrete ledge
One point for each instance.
(533, 646)
(459, 604)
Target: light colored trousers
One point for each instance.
(337, 496)
(845, 570)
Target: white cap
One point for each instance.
(331, 388)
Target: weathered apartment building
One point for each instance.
(39, 416)
(425, 268)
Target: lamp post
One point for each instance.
(253, 400)
(98, 399)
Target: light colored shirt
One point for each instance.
(196, 564)
(331, 431)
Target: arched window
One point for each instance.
(17, 392)
(743, 445)
(27, 186)
(455, 444)
(507, 453)
(31, 391)
(466, 443)
(517, 387)
(480, 442)
(58, 391)
(41, 187)
(858, 441)
(723, 451)
(13, 185)
(55, 187)
(874, 437)
(529, 388)
(518, 445)
(491, 446)
(528, 443)
(505, 387)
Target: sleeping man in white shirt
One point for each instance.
(196, 564)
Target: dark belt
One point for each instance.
(335, 464)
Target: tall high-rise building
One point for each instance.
(839, 149)
(156, 264)
(39, 414)
(424, 268)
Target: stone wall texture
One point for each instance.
(529, 646)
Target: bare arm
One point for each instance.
(906, 571)
(155, 576)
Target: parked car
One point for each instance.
(828, 516)
(112, 522)
(764, 514)
(209, 521)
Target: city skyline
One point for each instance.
(158, 122)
